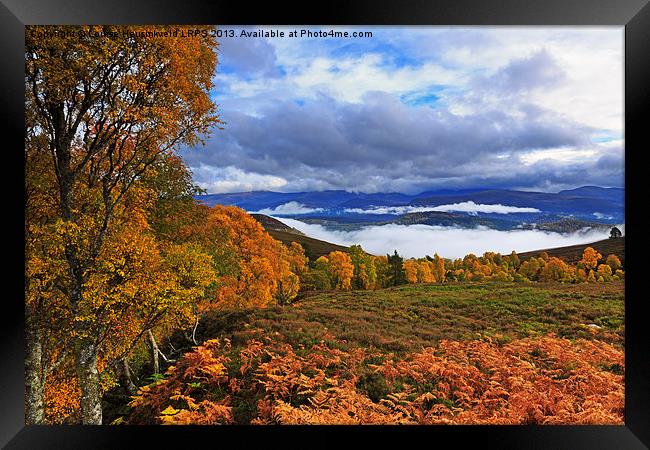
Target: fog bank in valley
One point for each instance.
(449, 242)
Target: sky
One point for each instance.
(417, 108)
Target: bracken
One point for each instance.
(544, 380)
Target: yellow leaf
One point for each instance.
(169, 411)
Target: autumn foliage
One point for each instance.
(121, 258)
(104, 105)
(361, 270)
(252, 268)
(543, 380)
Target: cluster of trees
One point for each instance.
(494, 266)
(357, 269)
(591, 268)
(118, 253)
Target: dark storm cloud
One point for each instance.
(536, 71)
(335, 144)
(511, 84)
(554, 175)
(614, 161)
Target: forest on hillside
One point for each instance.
(122, 263)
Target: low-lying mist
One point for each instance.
(469, 207)
(449, 242)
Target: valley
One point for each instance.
(588, 207)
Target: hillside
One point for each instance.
(349, 357)
(271, 224)
(314, 248)
(573, 253)
(586, 203)
(417, 354)
(409, 317)
(445, 219)
(580, 202)
(567, 225)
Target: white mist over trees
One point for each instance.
(416, 241)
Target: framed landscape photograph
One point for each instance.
(410, 216)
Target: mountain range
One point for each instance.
(586, 206)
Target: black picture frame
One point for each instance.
(634, 15)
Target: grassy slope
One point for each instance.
(271, 223)
(573, 253)
(413, 316)
(314, 248)
(407, 318)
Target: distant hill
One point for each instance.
(272, 224)
(314, 248)
(567, 226)
(445, 219)
(573, 253)
(613, 194)
(258, 200)
(586, 203)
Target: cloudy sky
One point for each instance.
(417, 108)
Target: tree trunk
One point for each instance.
(88, 376)
(85, 349)
(125, 377)
(155, 363)
(34, 379)
(196, 324)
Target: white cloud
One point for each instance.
(221, 180)
(572, 155)
(591, 58)
(345, 79)
(468, 207)
(567, 155)
(449, 242)
(289, 209)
